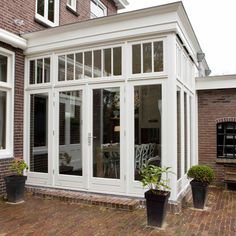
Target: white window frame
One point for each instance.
(8, 87)
(100, 5)
(44, 19)
(72, 5)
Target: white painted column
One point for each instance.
(169, 115)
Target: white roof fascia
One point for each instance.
(216, 82)
(12, 39)
(121, 4)
(160, 19)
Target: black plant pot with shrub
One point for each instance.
(156, 179)
(15, 184)
(201, 177)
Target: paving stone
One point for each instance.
(42, 217)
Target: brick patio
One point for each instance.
(51, 217)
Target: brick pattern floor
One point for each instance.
(51, 217)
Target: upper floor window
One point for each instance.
(147, 57)
(97, 9)
(72, 4)
(39, 72)
(47, 11)
(226, 140)
(6, 103)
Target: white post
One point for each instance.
(169, 115)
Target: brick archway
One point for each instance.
(225, 119)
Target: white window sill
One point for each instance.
(72, 10)
(4, 154)
(45, 21)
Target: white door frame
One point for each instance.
(62, 180)
(97, 184)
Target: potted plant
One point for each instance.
(156, 179)
(201, 177)
(15, 184)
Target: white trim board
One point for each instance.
(12, 39)
(216, 82)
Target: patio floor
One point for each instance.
(51, 217)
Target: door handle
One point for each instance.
(90, 138)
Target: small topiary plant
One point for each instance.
(18, 166)
(201, 173)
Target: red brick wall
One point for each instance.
(212, 106)
(25, 10)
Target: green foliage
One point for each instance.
(155, 177)
(18, 166)
(201, 173)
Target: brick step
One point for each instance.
(123, 203)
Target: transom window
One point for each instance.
(97, 8)
(47, 11)
(40, 71)
(90, 64)
(6, 106)
(147, 57)
(226, 140)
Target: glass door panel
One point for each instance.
(39, 133)
(106, 133)
(147, 127)
(70, 133)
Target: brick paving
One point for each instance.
(39, 216)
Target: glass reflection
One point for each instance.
(106, 133)
(70, 148)
(38, 133)
(147, 120)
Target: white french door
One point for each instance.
(70, 154)
(106, 138)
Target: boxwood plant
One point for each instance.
(201, 173)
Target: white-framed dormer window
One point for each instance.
(47, 12)
(72, 4)
(6, 102)
(97, 9)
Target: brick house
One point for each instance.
(95, 99)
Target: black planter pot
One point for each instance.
(15, 187)
(199, 193)
(156, 204)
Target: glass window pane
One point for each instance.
(117, 61)
(136, 55)
(147, 57)
(40, 7)
(185, 134)
(3, 99)
(70, 149)
(97, 70)
(39, 71)
(96, 9)
(70, 67)
(158, 56)
(32, 72)
(3, 68)
(88, 64)
(39, 133)
(51, 10)
(46, 70)
(107, 62)
(147, 130)
(178, 135)
(61, 68)
(79, 66)
(106, 133)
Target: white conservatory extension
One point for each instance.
(105, 96)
